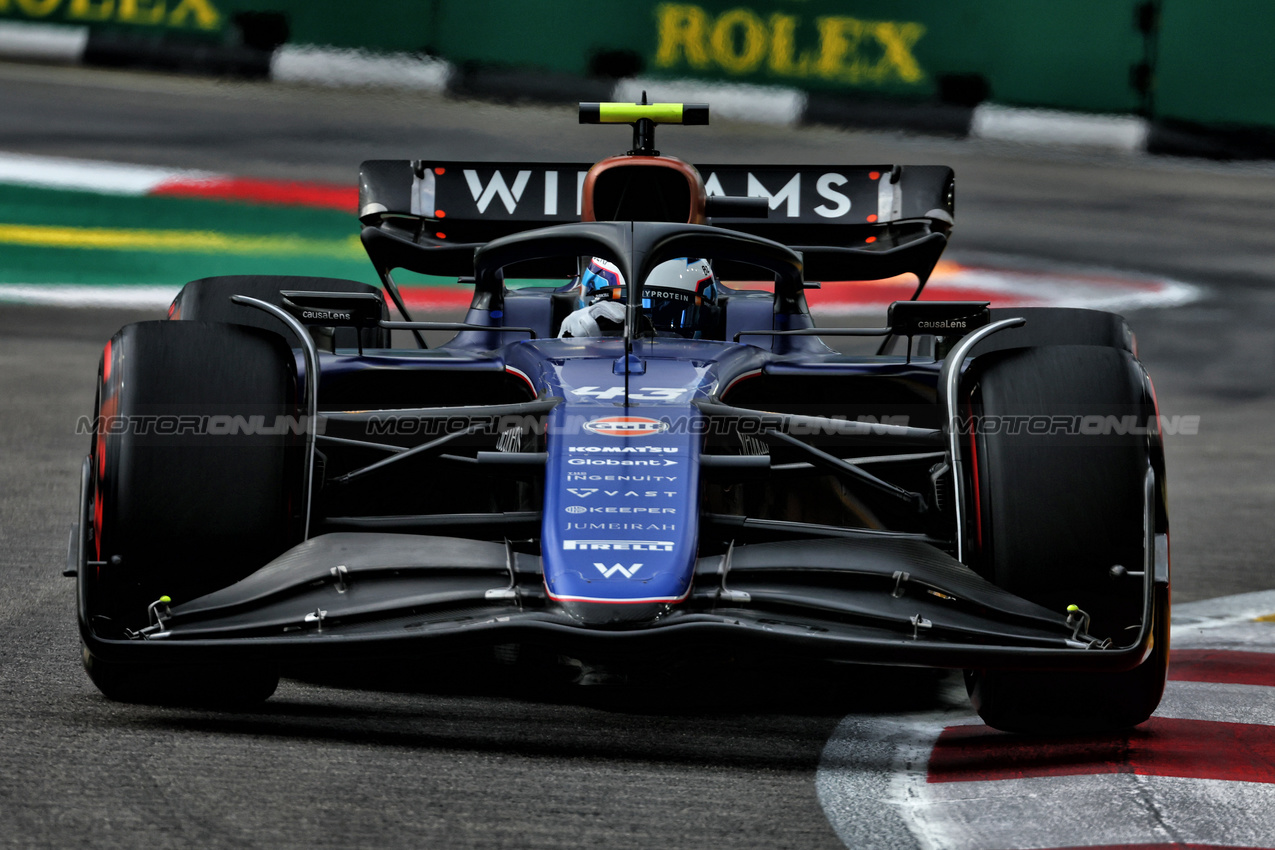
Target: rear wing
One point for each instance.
(858, 222)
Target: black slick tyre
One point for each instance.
(196, 473)
(1059, 498)
(221, 686)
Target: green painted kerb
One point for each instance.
(50, 236)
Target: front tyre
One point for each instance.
(196, 482)
(208, 686)
(1059, 499)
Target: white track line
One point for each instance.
(88, 295)
(874, 785)
(1070, 811)
(87, 175)
(1110, 290)
(1226, 623)
(1221, 703)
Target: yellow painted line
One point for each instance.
(176, 241)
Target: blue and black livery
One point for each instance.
(753, 488)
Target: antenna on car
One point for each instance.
(644, 116)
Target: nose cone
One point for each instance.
(621, 504)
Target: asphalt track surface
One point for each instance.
(691, 761)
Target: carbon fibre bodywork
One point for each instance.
(632, 537)
(750, 488)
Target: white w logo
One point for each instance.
(607, 572)
(495, 187)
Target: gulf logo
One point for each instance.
(625, 426)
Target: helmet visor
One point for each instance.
(599, 283)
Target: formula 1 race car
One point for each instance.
(637, 443)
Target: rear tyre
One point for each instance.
(1054, 512)
(196, 479)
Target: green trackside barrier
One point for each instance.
(1070, 54)
(1067, 54)
(390, 26)
(196, 17)
(1204, 61)
(383, 25)
(561, 35)
(564, 36)
(1215, 65)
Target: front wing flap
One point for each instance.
(367, 594)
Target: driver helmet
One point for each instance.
(601, 281)
(680, 296)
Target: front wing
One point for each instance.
(868, 599)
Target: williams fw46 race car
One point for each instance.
(636, 444)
